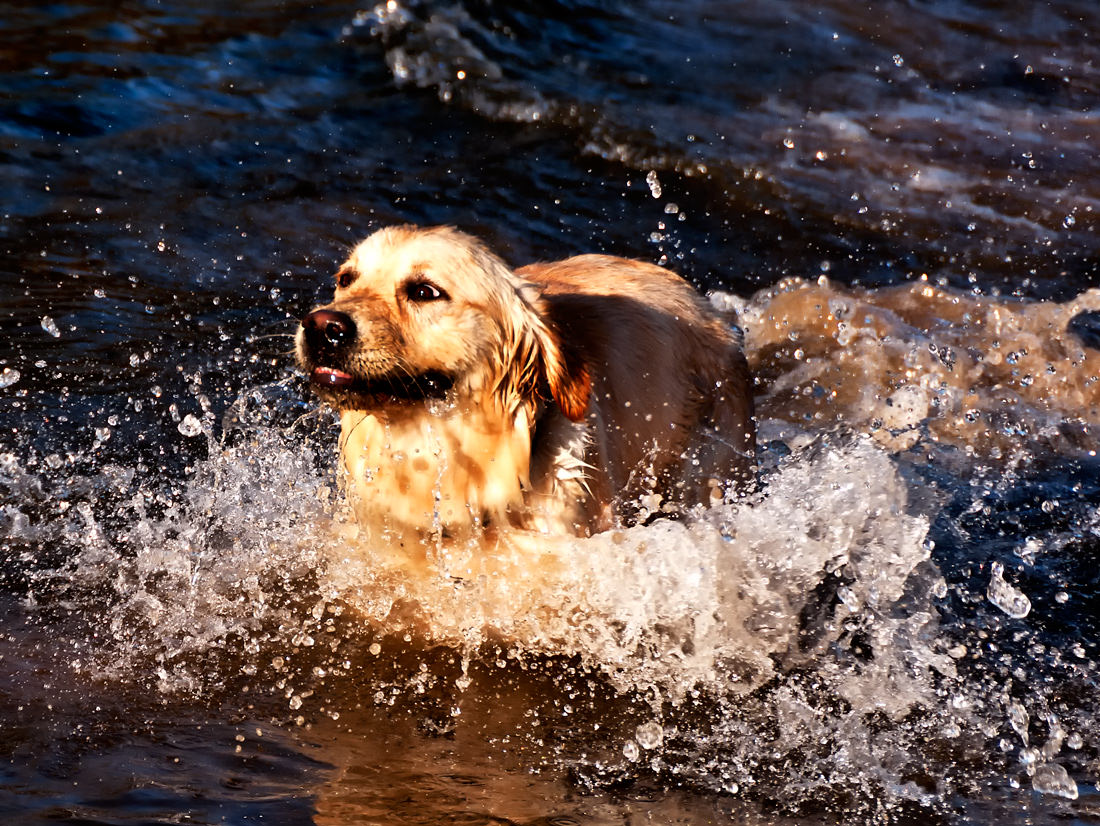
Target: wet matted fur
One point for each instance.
(566, 397)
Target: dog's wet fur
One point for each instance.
(566, 397)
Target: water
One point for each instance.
(900, 625)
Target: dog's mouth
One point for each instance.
(345, 389)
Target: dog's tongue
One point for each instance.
(331, 377)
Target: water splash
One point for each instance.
(1010, 600)
(797, 643)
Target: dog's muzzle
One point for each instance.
(327, 333)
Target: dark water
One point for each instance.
(901, 199)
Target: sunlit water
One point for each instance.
(899, 624)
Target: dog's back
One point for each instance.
(670, 419)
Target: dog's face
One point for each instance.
(423, 314)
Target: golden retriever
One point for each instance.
(564, 398)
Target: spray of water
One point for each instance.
(798, 643)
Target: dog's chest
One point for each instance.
(450, 470)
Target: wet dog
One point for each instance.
(564, 398)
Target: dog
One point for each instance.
(562, 398)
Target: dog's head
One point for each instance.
(431, 313)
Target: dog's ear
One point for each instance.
(567, 375)
(542, 358)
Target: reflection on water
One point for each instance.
(901, 622)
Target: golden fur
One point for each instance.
(565, 398)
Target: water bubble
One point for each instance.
(8, 377)
(1051, 778)
(1013, 602)
(190, 426)
(649, 735)
(50, 326)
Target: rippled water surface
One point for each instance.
(900, 626)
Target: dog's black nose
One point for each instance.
(328, 329)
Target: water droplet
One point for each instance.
(135, 359)
(190, 426)
(1018, 719)
(295, 702)
(654, 184)
(1068, 221)
(788, 142)
(8, 377)
(50, 326)
(649, 735)
(1013, 602)
(1050, 778)
(631, 751)
(375, 649)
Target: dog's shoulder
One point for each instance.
(595, 274)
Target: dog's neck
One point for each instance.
(448, 472)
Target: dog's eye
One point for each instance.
(424, 291)
(344, 278)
